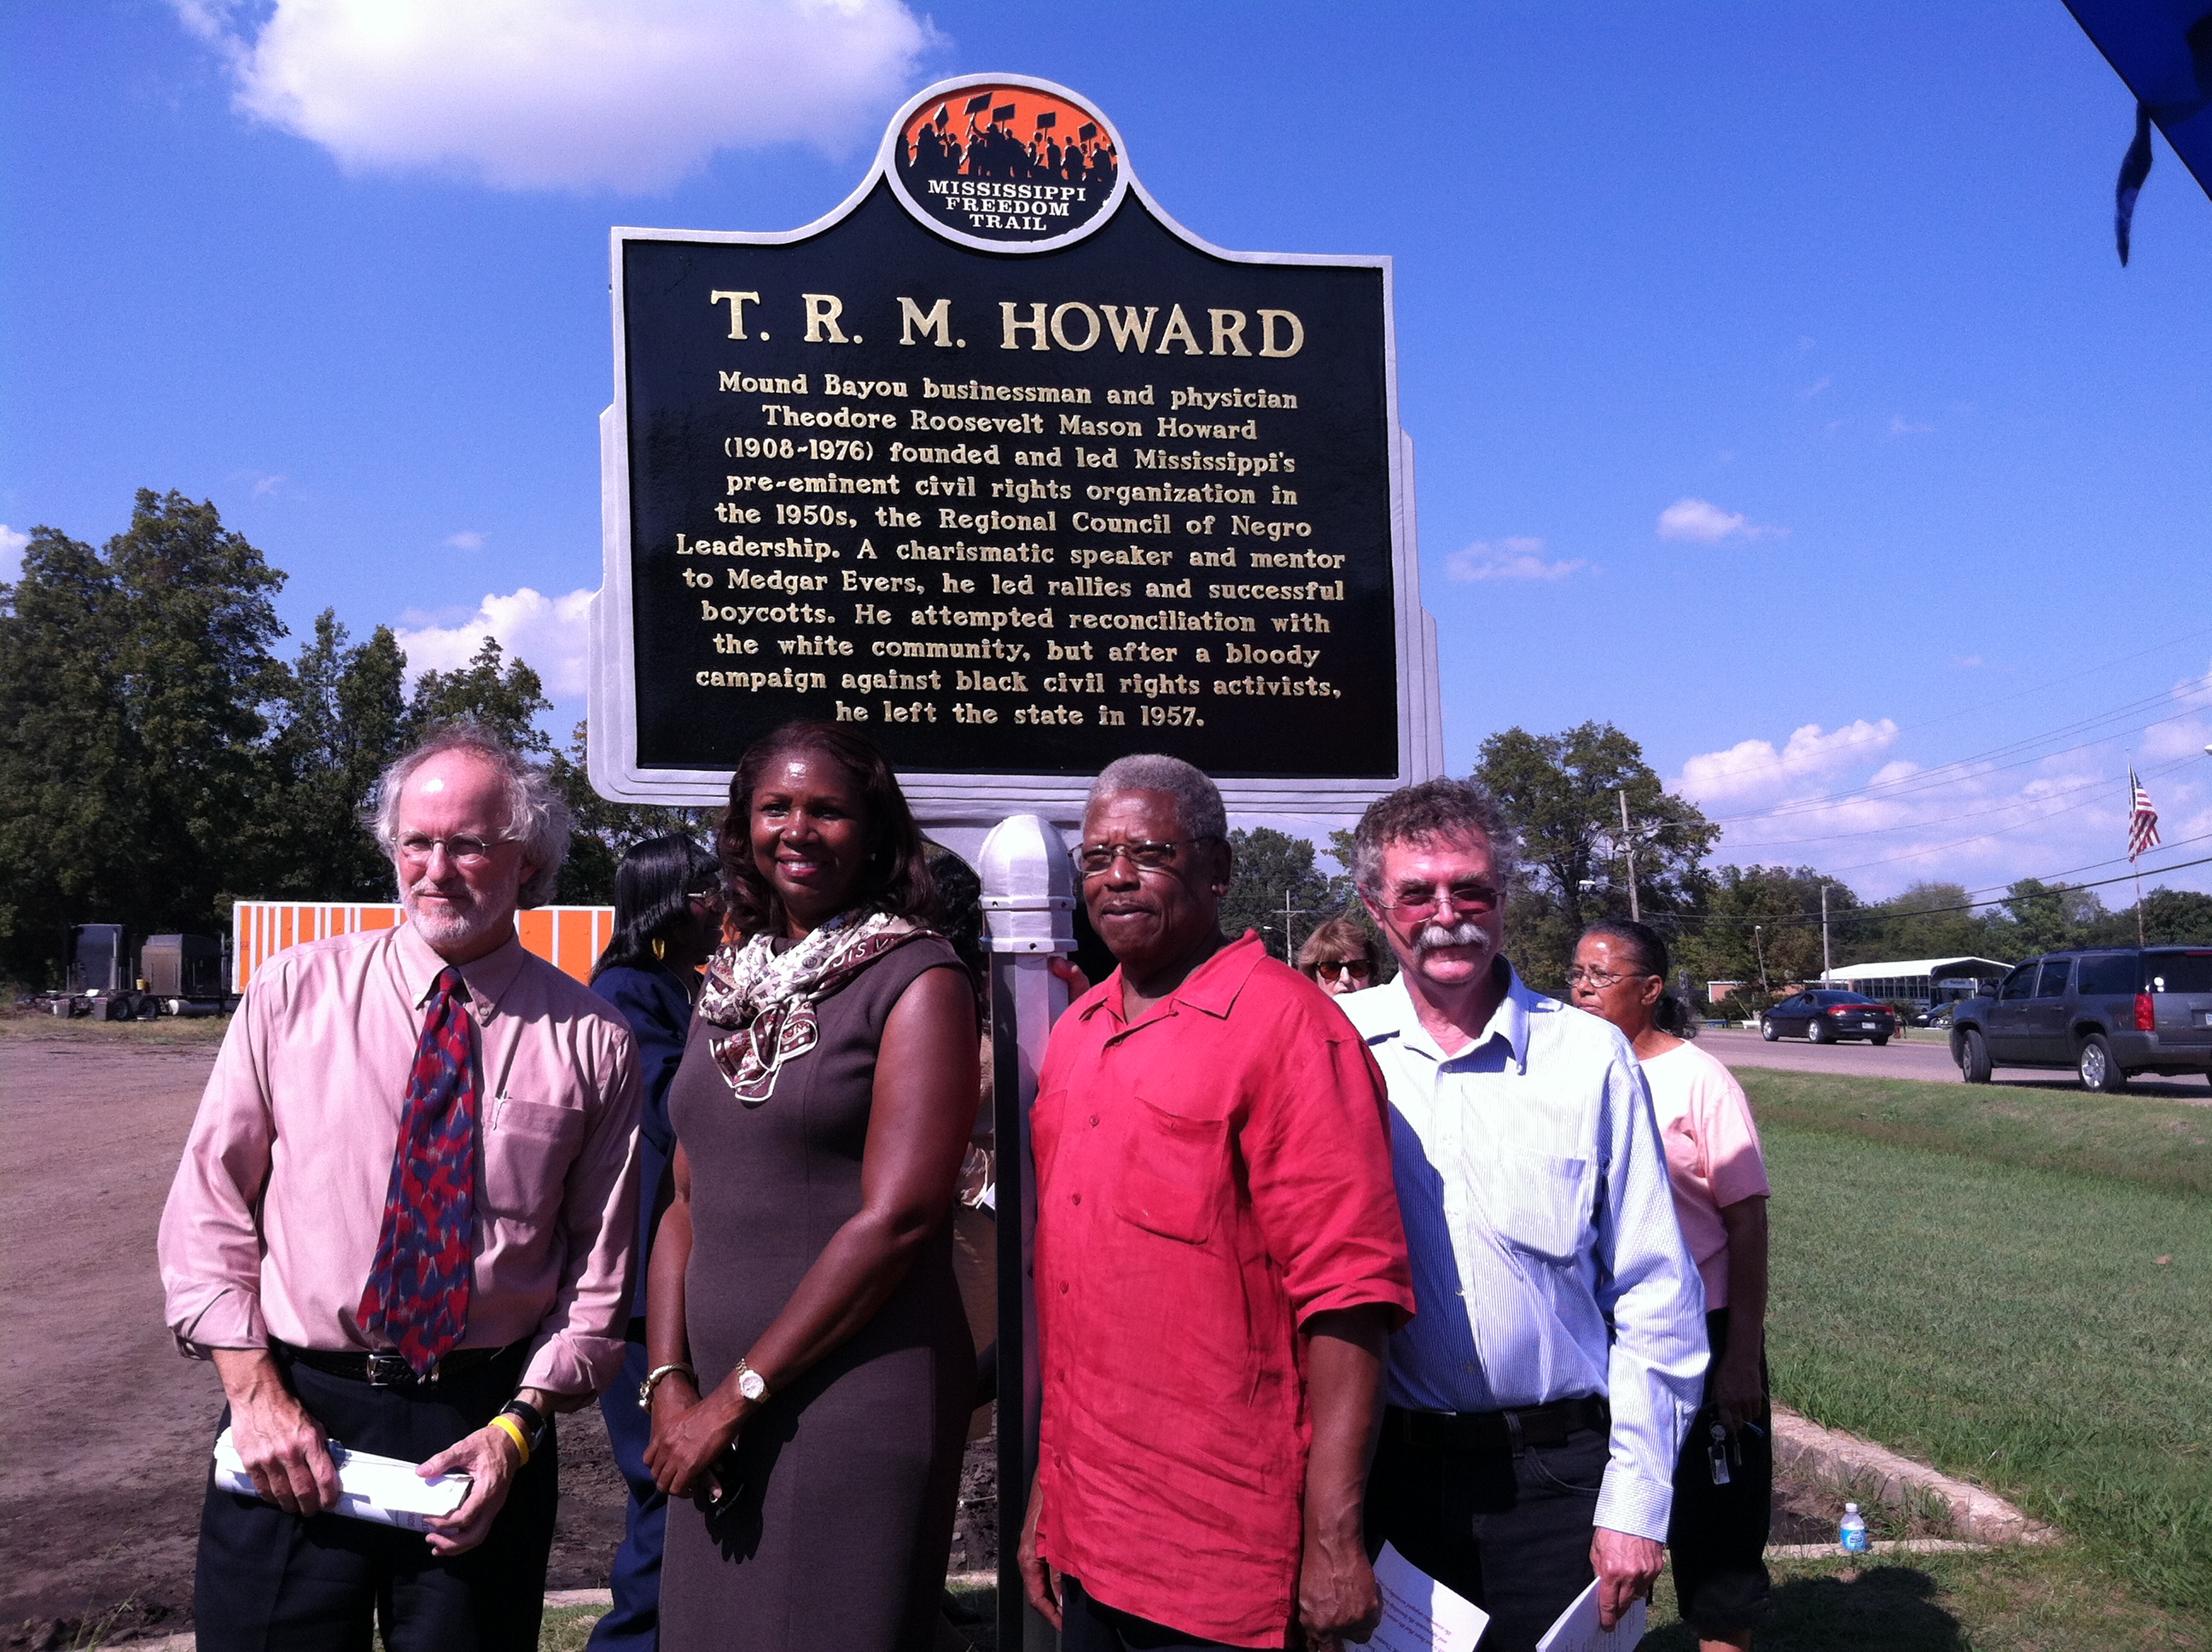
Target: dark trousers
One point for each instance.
(1087, 1626)
(269, 1582)
(1510, 1532)
(1718, 1538)
(634, 1624)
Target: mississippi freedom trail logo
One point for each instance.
(1005, 162)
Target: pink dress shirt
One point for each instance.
(273, 1219)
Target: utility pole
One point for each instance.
(1628, 847)
(1827, 969)
(1759, 943)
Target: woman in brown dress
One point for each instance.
(812, 1370)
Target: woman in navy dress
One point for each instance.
(668, 919)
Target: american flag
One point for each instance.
(2142, 819)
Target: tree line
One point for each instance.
(159, 760)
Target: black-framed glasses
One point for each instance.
(1599, 979)
(1330, 969)
(1148, 855)
(1462, 897)
(462, 849)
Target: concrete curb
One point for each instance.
(1900, 1546)
(1981, 1517)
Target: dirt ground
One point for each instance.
(104, 1429)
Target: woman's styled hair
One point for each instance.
(895, 875)
(653, 888)
(1342, 937)
(1670, 1015)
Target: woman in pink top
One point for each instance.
(1723, 1483)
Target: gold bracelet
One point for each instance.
(513, 1429)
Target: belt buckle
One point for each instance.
(388, 1369)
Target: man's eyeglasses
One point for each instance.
(1464, 898)
(1096, 859)
(1599, 979)
(1330, 969)
(462, 850)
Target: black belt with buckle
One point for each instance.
(1497, 1431)
(387, 1368)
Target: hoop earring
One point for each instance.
(660, 949)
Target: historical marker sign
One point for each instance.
(1001, 464)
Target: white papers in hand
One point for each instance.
(384, 1490)
(1577, 1630)
(1419, 1614)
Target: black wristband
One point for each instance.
(534, 1422)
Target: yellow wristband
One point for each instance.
(512, 1429)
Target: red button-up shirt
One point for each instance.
(1208, 1179)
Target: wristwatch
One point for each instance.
(534, 1422)
(751, 1382)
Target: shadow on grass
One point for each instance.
(1893, 1608)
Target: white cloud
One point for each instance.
(1847, 802)
(1702, 522)
(1966, 662)
(467, 539)
(12, 541)
(1814, 388)
(1516, 558)
(551, 633)
(589, 94)
(1901, 426)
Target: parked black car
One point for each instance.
(2108, 1014)
(1826, 1016)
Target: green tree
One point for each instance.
(1272, 866)
(2045, 917)
(1562, 795)
(340, 716)
(1927, 921)
(2174, 917)
(504, 695)
(1763, 922)
(603, 828)
(132, 683)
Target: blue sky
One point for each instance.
(1777, 391)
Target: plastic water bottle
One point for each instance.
(1852, 1534)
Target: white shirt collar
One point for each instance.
(1388, 1013)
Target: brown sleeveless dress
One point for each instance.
(837, 1537)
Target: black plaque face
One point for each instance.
(1012, 514)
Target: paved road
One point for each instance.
(1925, 1054)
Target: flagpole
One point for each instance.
(2134, 864)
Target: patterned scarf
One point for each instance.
(769, 997)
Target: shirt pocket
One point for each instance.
(1539, 1203)
(527, 1150)
(1175, 1174)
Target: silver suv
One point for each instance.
(2108, 1014)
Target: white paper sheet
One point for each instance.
(1577, 1630)
(386, 1491)
(1419, 1614)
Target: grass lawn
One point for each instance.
(2011, 1323)
(2158, 1143)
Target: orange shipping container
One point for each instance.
(569, 937)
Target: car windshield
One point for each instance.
(2177, 972)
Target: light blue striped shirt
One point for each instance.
(1547, 1262)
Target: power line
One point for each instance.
(1878, 913)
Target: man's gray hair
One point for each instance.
(537, 819)
(1197, 798)
(1433, 809)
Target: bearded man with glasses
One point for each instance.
(1538, 1399)
(404, 1220)
(1218, 1264)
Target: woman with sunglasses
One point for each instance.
(1342, 956)
(1723, 1483)
(668, 919)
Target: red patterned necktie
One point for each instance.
(418, 1285)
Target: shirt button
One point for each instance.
(1075, 1198)
(1063, 1291)
(1094, 1120)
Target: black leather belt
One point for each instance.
(1497, 1431)
(386, 1367)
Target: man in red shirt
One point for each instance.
(1219, 1262)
